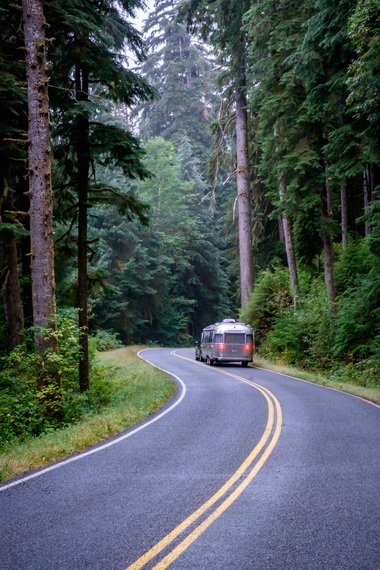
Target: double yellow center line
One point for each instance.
(249, 467)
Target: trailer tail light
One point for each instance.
(247, 347)
(221, 347)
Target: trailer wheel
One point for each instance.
(244, 363)
(210, 362)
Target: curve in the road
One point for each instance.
(272, 429)
(101, 446)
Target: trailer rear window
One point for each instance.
(234, 338)
(207, 337)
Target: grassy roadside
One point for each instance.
(138, 390)
(372, 394)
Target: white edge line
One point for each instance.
(320, 385)
(105, 445)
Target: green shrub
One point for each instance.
(358, 318)
(3, 336)
(364, 372)
(270, 297)
(25, 411)
(303, 335)
(346, 343)
(352, 264)
(105, 340)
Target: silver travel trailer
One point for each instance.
(227, 341)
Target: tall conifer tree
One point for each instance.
(40, 189)
(13, 152)
(87, 70)
(221, 23)
(177, 65)
(322, 65)
(274, 33)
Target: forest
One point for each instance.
(221, 159)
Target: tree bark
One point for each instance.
(11, 296)
(328, 242)
(374, 180)
(25, 247)
(286, 234)
(40, 190)
(281, 234)
(290, 254)
(244, 200)
(344, 213)
(10, 285)
(83, 165)
(366, 198)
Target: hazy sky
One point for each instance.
(142, 14)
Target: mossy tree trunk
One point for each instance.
(327, 237)
(344, 212)
(40, 189)
(244, 199)
(83, 165)
(10, 286)
(288, 238)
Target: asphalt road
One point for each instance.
(243, 469)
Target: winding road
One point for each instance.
(244, 469)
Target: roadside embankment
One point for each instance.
(137, 390)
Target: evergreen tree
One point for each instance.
(88, 70)
(323, 60)
(179, 67)
(363, 81)
(363, 89)
(133, 299)
(13, 153)
(276, 97)
(161, 283)
(300, 57)
(221, 24)
(40, 190)
(199, 286)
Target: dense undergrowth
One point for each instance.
(343, 343)
(125, 390)
(26, 412)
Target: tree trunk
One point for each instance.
(344, 213)
(366, 198)
(83, 157)
(10, 286)
(11, 295)
(328, 243)
(26, 289)
(290, 254)
(281, 234)
(40, 190)
(243, 192)
(374, 180)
